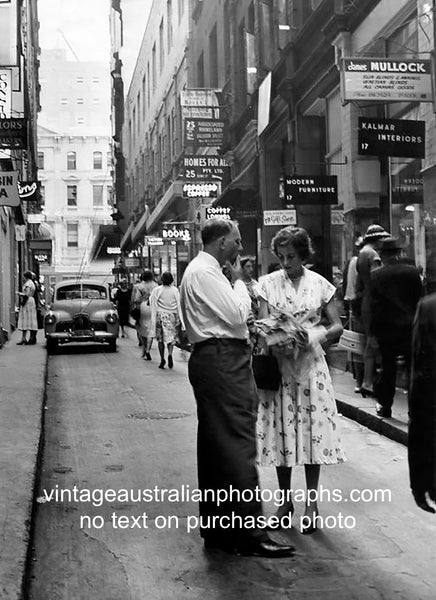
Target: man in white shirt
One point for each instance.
(215, 315)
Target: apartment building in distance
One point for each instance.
(74, 163)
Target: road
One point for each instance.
(114, 422)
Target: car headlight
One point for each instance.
(50, 319)
(112, 318)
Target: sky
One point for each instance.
(84, 24)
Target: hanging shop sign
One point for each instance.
(201, 104)
(388, 80)
(13, 133)
(29, 190)
(151, 240)
(279, 217)
(206, 133)
(217, 212)
(5, 93)
(204, 167)
(407, 183)
(132, 262)
(9, 188)
(200, 190)
(311, 189)
(391, 137)
(176, 233)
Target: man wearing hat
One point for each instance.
(395, 290)
(368, 260)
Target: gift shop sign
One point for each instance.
(386, 79)
(391, 137)
(280, 217)
(311, 189)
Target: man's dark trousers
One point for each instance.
(221, 376)
(384, 387)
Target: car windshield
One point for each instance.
(81, 291)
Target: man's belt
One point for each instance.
(221, 342)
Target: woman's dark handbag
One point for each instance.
(135, 313)
(23, 300)
(266, 372)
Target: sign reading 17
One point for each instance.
(364, 145)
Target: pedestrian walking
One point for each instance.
(121, 298)
(296, 425)
(247, 266)
(422, 406)
(395, 290)
(349, 283)
(27, 318)
(368, 260)
(215, 315)
(166, 317)
(141, 311)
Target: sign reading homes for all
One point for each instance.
(391, 137)
(311, 189)
(9, 188)
(201, 167)
(386, 79)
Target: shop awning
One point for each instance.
(139, 229)
(125, 240)
(106, 242)
(175, 190)
(242, 193)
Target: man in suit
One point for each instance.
(422, 405)
(215, 315)
(395, 289)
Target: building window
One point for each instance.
(96, 80)
(161, 45)
(213, 58)
(96, 101)
(169, 24)
(148, 84)
(80, 101)
(72, 235)
(143, 97)
(71, 161)
(40, 160)
(181, 9)
(153, 65)
(98, 160)
(200, 71)
(64, 100)
(80, 120)
(71, 195)
(79, 80)
(109, 159)
(97, 195)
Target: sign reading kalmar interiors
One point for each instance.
(386, 79)
(391, 137)
(311, 189)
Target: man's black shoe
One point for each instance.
(267, 549)
(383, 412)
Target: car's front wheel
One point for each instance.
(52, 346)
(112, 345)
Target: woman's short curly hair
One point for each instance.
(167, 278)
(298, 237)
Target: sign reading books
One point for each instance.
(391, 137)
(176, 233)
(386, 79)
(311, 189)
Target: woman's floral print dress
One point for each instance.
(297, 424)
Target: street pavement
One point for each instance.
(22, 404)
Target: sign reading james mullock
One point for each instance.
(391, 137)
(388, 80)
(311, 189)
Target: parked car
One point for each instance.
(81, 311)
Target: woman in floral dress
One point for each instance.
(297, 424)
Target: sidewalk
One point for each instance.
(22, 398)
(22, 386)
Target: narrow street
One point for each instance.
(114, 422)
